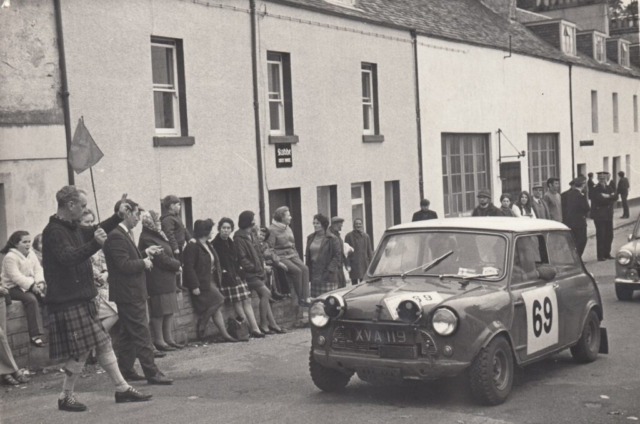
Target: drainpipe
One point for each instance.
(414, 40)
(573, 154)
(256, 111)
(64, 86)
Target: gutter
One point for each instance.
(414, 40)
(573, 149)
(64, 86)
(256, 112)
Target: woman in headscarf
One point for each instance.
(522, 207)
(250, 260)
(362, 253)
(233, 288)
(202, 275)
(323, 257)
(161, 282)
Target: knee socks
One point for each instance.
(107, 360)
(72, 369)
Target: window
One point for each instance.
(614, 100)
(605, 164)
(530, 252)
(594, 111)
(543, 158)
(635, 113)
(600, 48)
(563, 254)
(328, 200)
(392, 203)
(280, 98)
(168, 87)
(569, 39)
(370, 120)
(624, 54)
(361, 205)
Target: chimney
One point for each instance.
(504, 8)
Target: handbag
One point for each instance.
(239, 330)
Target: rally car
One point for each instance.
(628, 266)
(444, 296)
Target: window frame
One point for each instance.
(568, 38)
(540, 236)
(600, 56)
(368, 102)
(280, 101)
(165, 88)
(372, 134)
(624, 54)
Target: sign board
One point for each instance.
(586, 143)
(284, 156)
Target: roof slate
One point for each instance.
(466, 21)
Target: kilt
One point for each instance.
(321, 287)
(75, 331)
(237, 293)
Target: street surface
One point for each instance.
(267, 381)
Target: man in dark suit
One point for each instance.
(575, 210)
(128, 289)
(623, 192)
(538, 205)
(424, 213)
(602, 200)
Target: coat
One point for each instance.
(162, 277)
(554, 205)
(601, 207)
(540, 209)
(324, 272)
(249, 255)
(175, 230)
(490, 210)
(623, 186)
(282, 240)
(197, 272)
(21, 271)
(127, 278)
(362, 253)
(341, 277)
(423, 216)
(575, 209)
(229, 265)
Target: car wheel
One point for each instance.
(327, 379)
(589, 344)
(623, 292)
(491, 372)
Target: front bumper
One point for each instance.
(423, 368)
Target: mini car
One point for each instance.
(444, 296)
(628, 265)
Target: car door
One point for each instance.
(537, 311)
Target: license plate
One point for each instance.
(381, 336)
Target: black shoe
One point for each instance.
(160, 379)
(71, 404)
(276, 296)
(158, 354)
(268, 331)
(166, 348)
(134, 377)
(132, 395)
(257, 335)
(177, 346)
(277, 331)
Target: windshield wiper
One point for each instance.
(464, 279)
(427, 266)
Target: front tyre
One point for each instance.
(327, 379)
(491, 372)
(623, 292)
(589, 344)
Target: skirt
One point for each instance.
(255, 283)
(322, 287)
(207, 299)
(237, 293)
(75, 331)
(163, 304)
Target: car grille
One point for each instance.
(428, 345)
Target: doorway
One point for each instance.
(582, 169)
(617, 167)
(289, 197)
(511, 178)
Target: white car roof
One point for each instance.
(493, 223)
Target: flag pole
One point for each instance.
(93, 185)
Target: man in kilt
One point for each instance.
(74, 327)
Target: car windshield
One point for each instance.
(473, 254)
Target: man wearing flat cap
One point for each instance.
(575, 210)
(424, 213)
(539, 207)
(335, 228)
(485, 207)
(602, 200)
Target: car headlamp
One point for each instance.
(444, 322)
(624, 257)
(409, 311)
(335, 306)
(317, 316)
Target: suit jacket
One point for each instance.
(127, 279)
(575, 209)
(602, 208)
(623, 186)
(540, 209)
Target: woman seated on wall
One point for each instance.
(22, 274)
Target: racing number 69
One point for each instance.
(547, 310)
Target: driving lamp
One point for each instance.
(632, 274)
(334, 306)
(409, 311)
(317, 316)
(444, 322)
(624, 257)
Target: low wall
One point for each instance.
(33, 358)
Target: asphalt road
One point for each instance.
(267, 381)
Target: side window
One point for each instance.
(530, 252)
(563, 253)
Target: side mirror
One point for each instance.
(547, 272)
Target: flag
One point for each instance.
(84, 151)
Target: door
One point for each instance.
(511, 179)
(289, 197)
(617, 167)
(537, 310)
(582, 169)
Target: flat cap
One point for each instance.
(484, 193)
(336, 219)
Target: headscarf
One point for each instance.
(151, 221)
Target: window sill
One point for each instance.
(173, 141)
(372, 138)
(283, 139)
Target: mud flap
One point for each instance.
(604, 341)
